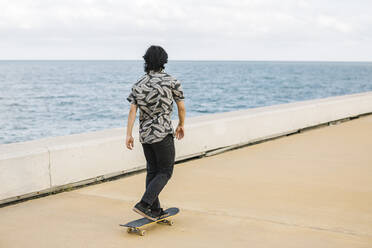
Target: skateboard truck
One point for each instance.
(140, 232)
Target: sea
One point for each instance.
(46, 98)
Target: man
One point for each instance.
(154, 94)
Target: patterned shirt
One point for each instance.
(154, 94)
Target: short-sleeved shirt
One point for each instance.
(154, 93)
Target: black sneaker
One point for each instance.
(160, 213)
(145, 211)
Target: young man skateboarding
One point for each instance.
(153, 94)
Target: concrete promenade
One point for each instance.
(312, 189)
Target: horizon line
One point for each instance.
(196, 60)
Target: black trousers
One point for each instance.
(160, 158)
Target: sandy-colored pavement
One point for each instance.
(312, 189)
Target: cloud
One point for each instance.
(203, 29)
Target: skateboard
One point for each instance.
(134, 226)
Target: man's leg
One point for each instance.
(144, 207)
(151, 169)
(165, 156)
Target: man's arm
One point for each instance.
(180, 131)
(131, 119)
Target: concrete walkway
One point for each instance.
(312, 189)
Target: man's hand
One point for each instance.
(180, 132)
(129, 142)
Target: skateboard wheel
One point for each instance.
(170, 222)
(129, 229)
(142, 232)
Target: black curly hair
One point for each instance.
(155, 58)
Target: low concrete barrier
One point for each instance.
(45, 165)
(23, 169)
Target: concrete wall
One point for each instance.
(45, 165)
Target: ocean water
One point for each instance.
(52, 98)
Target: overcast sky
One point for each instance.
(336, 30)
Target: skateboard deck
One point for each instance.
(134, 226)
